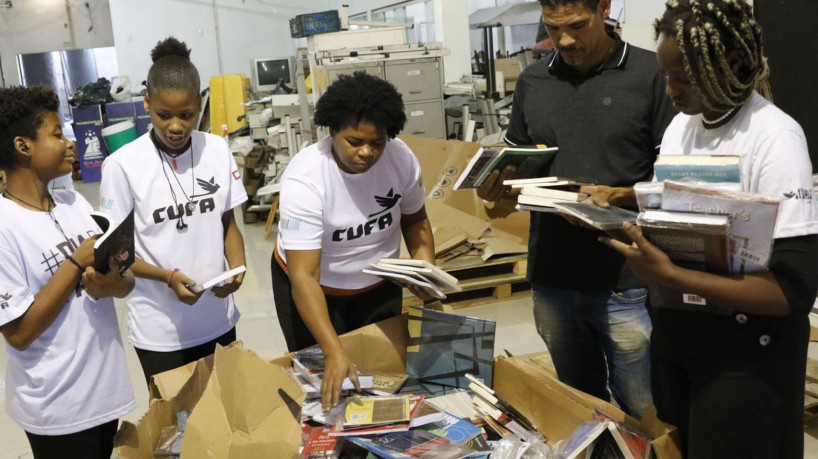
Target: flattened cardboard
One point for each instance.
(240, 406)
(441, 162)
(557, 409)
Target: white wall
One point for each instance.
(246, 29)
(35, 26)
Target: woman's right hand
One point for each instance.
(337, 367)
(179, 282)
(84, 255)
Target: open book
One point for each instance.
(216, 280)
(529, 162)
(117, 242)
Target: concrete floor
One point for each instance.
(259, 329)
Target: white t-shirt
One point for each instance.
(139, 176)
(774, 158)
(73, 376)
(353, 218)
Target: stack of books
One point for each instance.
(540, 194)
(308, 366)
(713, 228)
(498, 415)
(529, 162)
(421, 273)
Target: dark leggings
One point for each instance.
(94, 443)
(156, 362)
(347, 313)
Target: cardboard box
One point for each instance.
(557, 409)
(240, 407)
(553, 407)
(442, 162)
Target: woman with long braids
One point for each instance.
(67, 383)
(183, 185)
(733, 385)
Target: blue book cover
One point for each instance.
(443, 347)
(704, 168)
(87, 126)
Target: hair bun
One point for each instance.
(170, 47)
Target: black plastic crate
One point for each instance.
(305, 25)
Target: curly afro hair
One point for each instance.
(22, 112)
(361, 97)
(172, 68)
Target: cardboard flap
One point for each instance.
(527, 386)
(442, 161)
(388, 336)
(247, 405)
(139, 441)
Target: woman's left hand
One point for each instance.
(100, 285)
(645, 259)
(229, 287)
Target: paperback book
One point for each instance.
(405, 278)
(704, 168)
(752, 218)
(692, 241)
(529, 162)
(115, 241)
(425, 270)
(415, 443)
(309, 364)
(216, 281)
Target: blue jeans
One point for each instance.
(599, 339)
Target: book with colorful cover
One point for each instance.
(752, 218)
(705, 168)
(346, 425)
(529, 162)
(415, 443)
(309, 364)
(319, 444)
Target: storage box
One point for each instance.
(240, 407)
(305, 25)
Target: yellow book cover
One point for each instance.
(361, 411)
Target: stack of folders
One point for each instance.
(421, 273)
(498, 415)
(540, 194)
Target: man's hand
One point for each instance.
(607, 196)
(492, 189)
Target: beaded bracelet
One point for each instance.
(170, 276)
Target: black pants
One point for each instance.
(347, 313)
(94, 443)
(733, 385)
(154, 362)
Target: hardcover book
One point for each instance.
(601, 218)
(529, 162)
(704, 168)
(116, 242)
(443, 347)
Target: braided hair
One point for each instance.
(707, 32)
(172, 68)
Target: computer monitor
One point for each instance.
(268, 72)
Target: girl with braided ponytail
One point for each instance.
(733, 384)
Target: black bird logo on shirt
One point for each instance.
(210, 187)
(387, 202)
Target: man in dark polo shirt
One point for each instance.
(602, 102)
